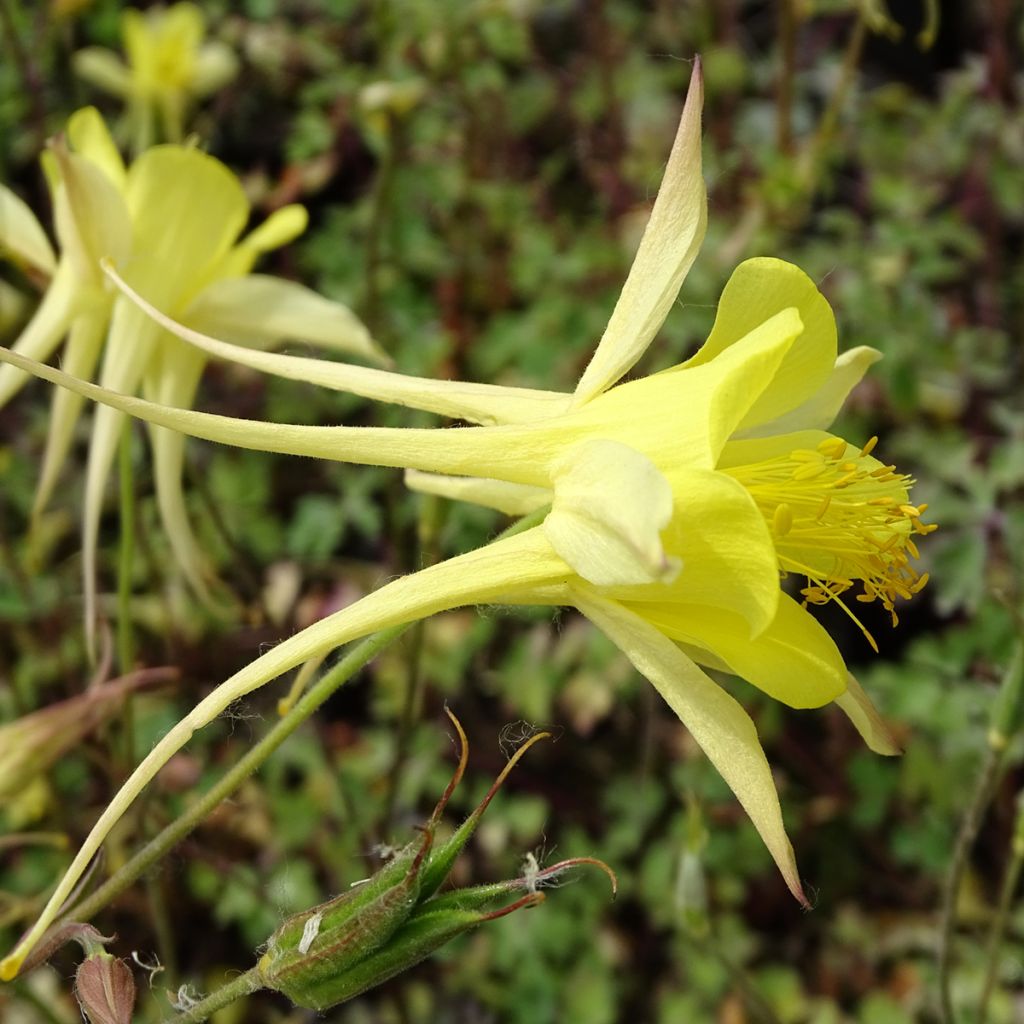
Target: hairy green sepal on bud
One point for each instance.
(395, 919)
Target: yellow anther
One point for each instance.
(910, 510)
(782, 521)
(848, 467)
(833, 447)
(882, 502)
(804, 455)
(870, 446)
(921, 583)
(823, 507)
(912, 548)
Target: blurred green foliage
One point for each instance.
(478, 172)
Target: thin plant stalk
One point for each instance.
(997, 932)
(125, 564)
(969, 826)
(829, 120)
(245, 984)
(170, 836)
(315, 696)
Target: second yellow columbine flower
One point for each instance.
(173, 222)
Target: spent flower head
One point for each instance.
(168, 66)
(172, 221)
(391, 921)
(670, 509)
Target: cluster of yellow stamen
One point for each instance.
(841, 518)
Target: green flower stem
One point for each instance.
(969, 826)
(1011, 879)
(316, 695)
(243, 985)
(160, 844)
(125, 563)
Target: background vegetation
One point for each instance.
(477, 173)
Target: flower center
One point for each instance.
(840, 517)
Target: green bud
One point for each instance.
(1008, 709)
(393, 920)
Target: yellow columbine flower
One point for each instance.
(677, 501)
(172, 222)
(168, 67)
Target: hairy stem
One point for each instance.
(243, 985)
(160, 844)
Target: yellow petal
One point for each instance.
(794, 660)
(728, 558)
(611, 505)
(759, 289)
(22, 238)
(520, 454)
(79, 359)
(103, 69)
(262, 311)
(45, 331)
(523, 560)
(857, 706)
(90, 137)
(173, 379)
(821, 409)
(280, 228)
(716, 721)
(187, 209)
(477, 403)
(684, 417)
(90, 216)
(512, 499)
(667, 251)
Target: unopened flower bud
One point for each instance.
(105, 989)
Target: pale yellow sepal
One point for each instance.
(611, 504)
(821, 409)
(858, 707)
(474, 578)
(104, 69)
(512, 499)
(716, 721)
(794, 660)
(90, 216)
(78, 358)
(90, 138)
(727, 555)
(44, 332)
(260, 310)
(476, 403)
(280, 228)
(22, 238)
(669, 246)
(758, 290)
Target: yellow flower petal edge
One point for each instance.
(667, 250)
(610, 506)
(478, 403)
(21, 235)
(716, 721)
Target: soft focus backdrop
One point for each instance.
(477, 174)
